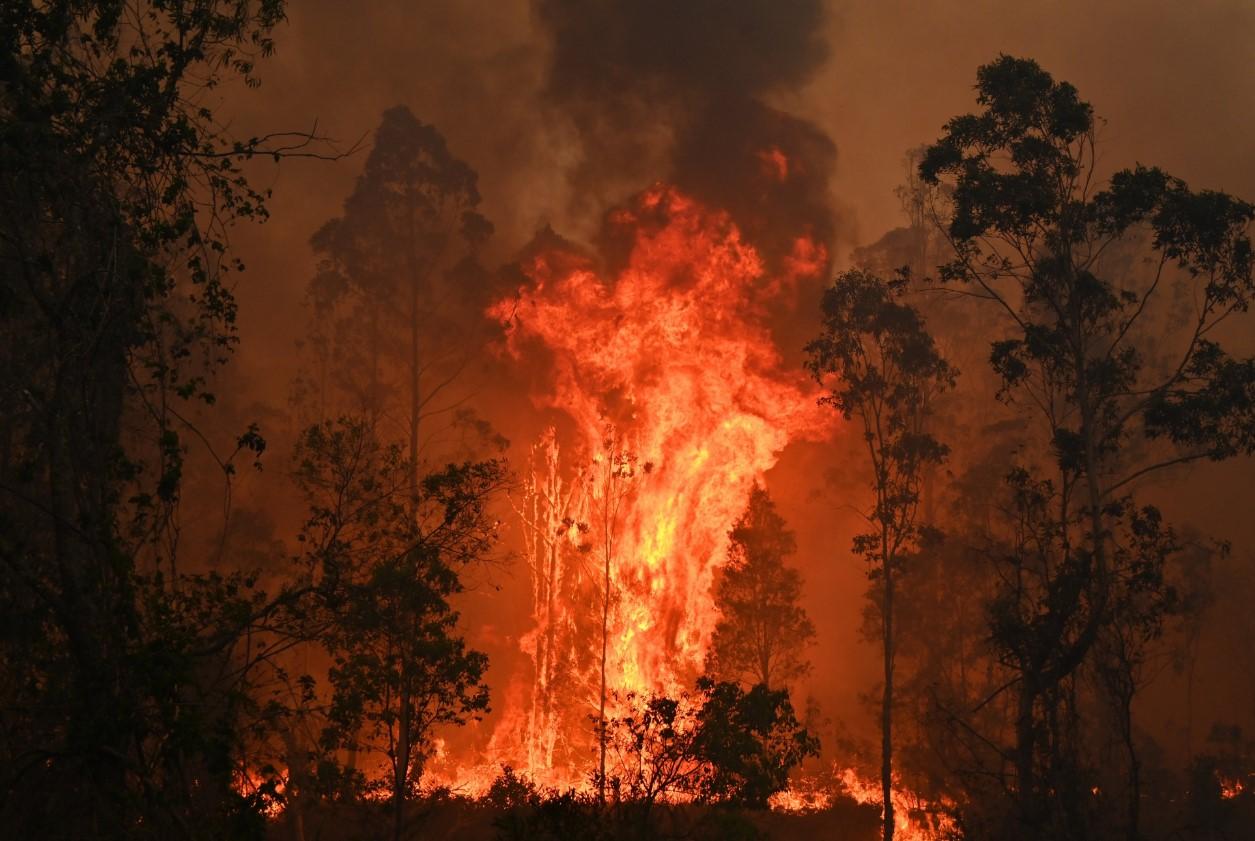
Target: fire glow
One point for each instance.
(669, 359)
(914, 818)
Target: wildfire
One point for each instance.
(914, 818)
(1230, 787)
(267, 788)
(665, 365)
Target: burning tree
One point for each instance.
(666, 339)
(553, 511)
(611, 475)
(883, 368)
(762, 632)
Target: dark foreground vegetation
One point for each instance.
(1042, 341)
(561, 817)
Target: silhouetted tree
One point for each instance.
(1141, 600)
(400, 668)
(124, 684)
(399, 263)
(720, 744)
(882, 367)
(751, 740)
(762, 632)
(1111, 385)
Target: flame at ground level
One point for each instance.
(914, 819)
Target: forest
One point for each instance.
(626, 419)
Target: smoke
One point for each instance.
(679, 91)
(567, 107)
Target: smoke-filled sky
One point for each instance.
(565, 107)
(1173, 80)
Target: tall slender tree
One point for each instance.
(612, 473)
(399, 262)
(118, 188)
(881, 367)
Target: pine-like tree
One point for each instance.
(763, 633)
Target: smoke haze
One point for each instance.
(566, 108)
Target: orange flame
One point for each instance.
(248, 782)
(672, 353)
(914, 818)
(1230, 787)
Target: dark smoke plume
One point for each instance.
(660, 89)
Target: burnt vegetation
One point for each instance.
(1012, 383)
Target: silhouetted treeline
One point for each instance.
(1089, 314)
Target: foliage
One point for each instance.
(1030, 232)
(397, 282)
(128, 683)
(510, 790)
(388, 573)
(1112, 378)
(751, 740)
(720, 745)
(882, 367)
(762, 632)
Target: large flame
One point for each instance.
(667, 361)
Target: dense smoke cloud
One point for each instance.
(657, 89)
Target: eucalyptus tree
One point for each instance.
(395, 274)
(118, 188)
(882, 368)
(1113, 292)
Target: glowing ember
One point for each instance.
(671, 359)
(1230, 787)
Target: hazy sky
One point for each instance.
(1174, 81)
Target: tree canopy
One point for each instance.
(762, 633)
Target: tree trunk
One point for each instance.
(886, 713)
(1025, 751)
(1135, 771)
(601, 715)
(415, 398)
(401, 764)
